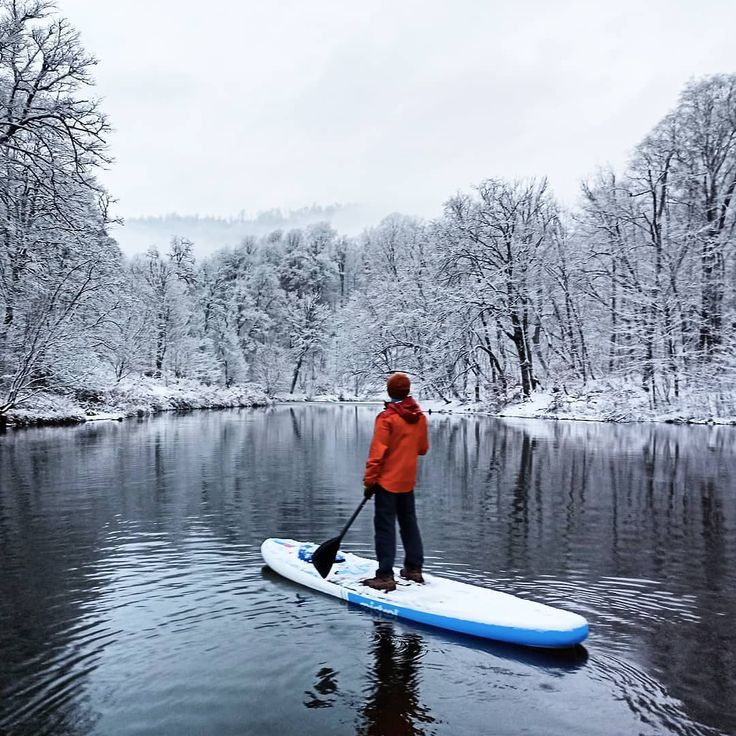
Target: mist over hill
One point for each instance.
(210, 233)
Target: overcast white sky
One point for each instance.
(230, 105)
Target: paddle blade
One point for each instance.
(323, 558)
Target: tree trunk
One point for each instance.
(613, 339)
(519, 338)
(160, 349)
(487, 348)
(296, 373)
(711, 298)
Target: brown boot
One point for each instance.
(385, 583)
(413, 574)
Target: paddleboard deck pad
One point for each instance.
(441, 602)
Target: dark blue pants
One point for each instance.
(391, 507)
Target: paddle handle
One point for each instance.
(353, 517)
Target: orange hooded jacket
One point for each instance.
(399, 437)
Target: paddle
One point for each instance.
(323, 557)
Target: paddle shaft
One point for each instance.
(352, 518)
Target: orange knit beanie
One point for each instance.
(398, 385)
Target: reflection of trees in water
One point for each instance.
(601, 511)
(393, 706)
(243, 475)
(50, 531)
(585, 504)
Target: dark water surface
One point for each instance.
(133, 599)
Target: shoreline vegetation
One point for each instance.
(148, 397)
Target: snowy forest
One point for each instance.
(504, 294)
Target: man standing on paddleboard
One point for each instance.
(399, 437)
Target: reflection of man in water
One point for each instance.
(392, 706)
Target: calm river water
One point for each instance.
(133, 599)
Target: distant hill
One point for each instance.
(211, 233)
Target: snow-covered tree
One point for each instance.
(59, 270)
(499, 241)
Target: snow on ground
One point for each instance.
(135, 397)
(147, 395)
(46, 408)
(603, 402)
(342, 397)
(595, 402)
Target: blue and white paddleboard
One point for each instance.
(447, 604)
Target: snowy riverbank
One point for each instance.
(139, 397)
(598, 403)
(594, 403)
